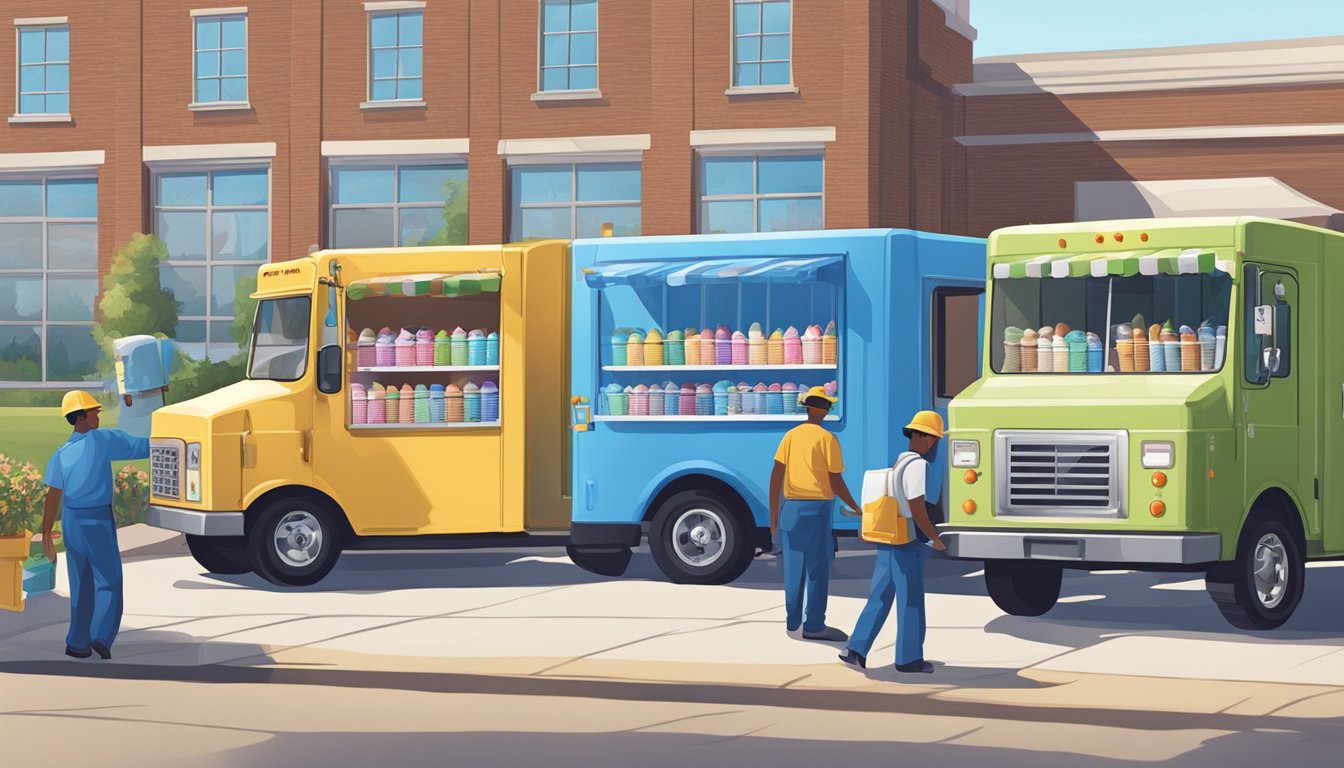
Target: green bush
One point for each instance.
(133, 301)
(199, 377)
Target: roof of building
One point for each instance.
(1269, 62)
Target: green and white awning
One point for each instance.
(449, 286)
(1169, 261)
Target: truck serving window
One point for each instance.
(956, 324)
(280, 339)
(1140, 323)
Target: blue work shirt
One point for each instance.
(81, 469)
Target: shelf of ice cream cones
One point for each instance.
(815, 348)
(649, 368)
(430, 425)
(799, 417)
(723, 401)
(428, 369)
(1135, 348)
(420, 348)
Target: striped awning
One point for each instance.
(1169, 261)
(784, 270)
(443, 285)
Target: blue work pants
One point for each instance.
(93, 560)
(805, 533)
(898, 573)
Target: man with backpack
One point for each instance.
(899, 569)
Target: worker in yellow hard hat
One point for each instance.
(803, 486)
(898, 572)
(79, 486)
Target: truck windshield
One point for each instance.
(1113, 324)
(280, 339)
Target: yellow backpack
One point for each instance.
(886, 511)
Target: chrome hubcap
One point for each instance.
(1271, 570)
(698, 537)
(298, 539)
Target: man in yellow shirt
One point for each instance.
(806, 479)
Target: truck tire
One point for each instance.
(698, 538)
(220, 554)
(1023, 587)
(1262, 587)
(603, 561)
(293, 541)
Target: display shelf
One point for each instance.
(798, 417)
(430, 426)
(427, 369)
(638, 368)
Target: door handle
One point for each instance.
(306, 445)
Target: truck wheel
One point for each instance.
(1262, 587)
(1023, 587)
(220, 554)
(293, 542)
(604, 561)
(697, 538)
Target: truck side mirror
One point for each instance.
(329, 369)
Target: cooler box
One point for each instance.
(143, 364)
(39, 575)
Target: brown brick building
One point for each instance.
(241, 134)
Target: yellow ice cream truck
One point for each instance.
(294, 448)
(1157, 394)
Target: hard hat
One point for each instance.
(77, 400)
(816, 397)
(928, 422)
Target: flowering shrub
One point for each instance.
(130, 489)
(21, 497)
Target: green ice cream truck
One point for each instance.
(1157, 395)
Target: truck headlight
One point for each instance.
(1158, 455)
(193, 473)
(965, 454)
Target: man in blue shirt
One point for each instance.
(79, 485)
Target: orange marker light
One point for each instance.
(1101, 239)
(1063, 243)
(1144, 237)
(968, 507)
(1157, 508)
(1159, 479)
(1119, 237)
(1210, 474)
(970, 476)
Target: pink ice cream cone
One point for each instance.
(793, 347)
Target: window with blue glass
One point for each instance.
(574, 200)
(220, 64)
(380, 205)
(48, 278)
(44, 70)
(568, 45)
(762, 36)
(217, 226)
(761, 193)
(396, 46)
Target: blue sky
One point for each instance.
(1041, 26)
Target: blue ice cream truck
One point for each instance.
(684, 377)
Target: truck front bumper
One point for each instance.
(195, 522)
(1083, 546)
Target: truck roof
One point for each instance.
(1080, 237)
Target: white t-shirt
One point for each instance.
(916, 474)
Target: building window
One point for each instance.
(761, 42)
(574, 200)
(48, 278)
(395, 56)
(44, 70)
(568, 45)
(376, 206)
(221, 59)
(761, 193)
(217, 226)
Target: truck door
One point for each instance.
(954, 354)
(1270, 430)
(1332, 415)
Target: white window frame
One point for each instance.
(221, 14)
(41, 117)
(755, 196)
(372, 11)
(396, 163)
(574, 204)
(43, 272)
(567, 93)
(209, 262)
(746, 90)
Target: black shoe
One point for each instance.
(78, 654)
(854, 658)
(826, 634)
(916, 666)
(103, 651)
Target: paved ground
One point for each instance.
(527, 632)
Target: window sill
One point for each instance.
(40, 119)
(761, 90)
(394, 104)
(220, 106)
(585, 95)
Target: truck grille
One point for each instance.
(1060, 473)
(164, 463)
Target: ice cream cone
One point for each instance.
(1142, 358)
(674, 349)
(359, 405)
(653, 348)
(686, 401)
(707, 348)
(774, 348)
(634, 349)
(1045, 358)
(739, 342)
(812, 350)
(406, 405)
(1060, 352)
(619, 338)
(723, 347)
(1012, 350)
(793, 347)
(377, 395)
(829, 345)
(457, 345)
(692, 347)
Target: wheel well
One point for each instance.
(1277, 503)
(309, 494)
(713, 485)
